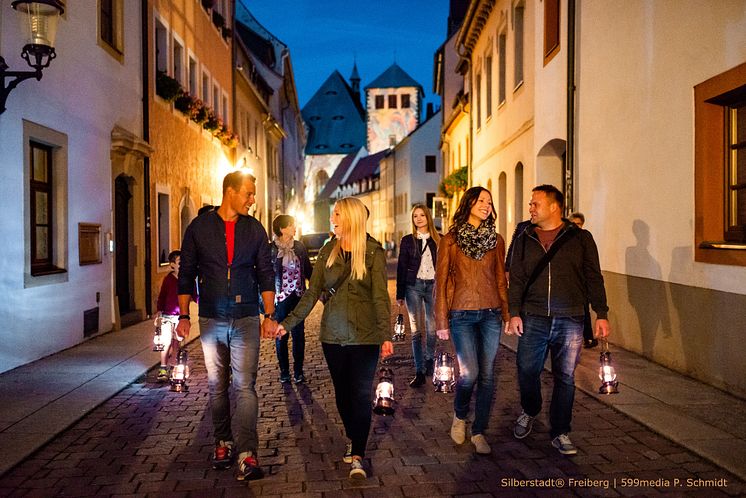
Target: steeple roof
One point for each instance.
(394, 77)
(335, 119)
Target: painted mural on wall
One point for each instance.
(383, 123)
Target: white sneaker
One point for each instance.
(564, 445)
(458, 430)
(480, 443)
(348, 454)
(356, 469)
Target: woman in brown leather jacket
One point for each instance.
(471, 304)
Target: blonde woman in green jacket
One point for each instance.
(351, 272)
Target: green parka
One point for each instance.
(359, 312)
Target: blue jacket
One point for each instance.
(204, 255)
(409, 262)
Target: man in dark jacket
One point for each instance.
(547, 314)
(228, 251)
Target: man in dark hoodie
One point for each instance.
(547, 311)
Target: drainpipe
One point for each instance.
(570, 155)
(146, 159)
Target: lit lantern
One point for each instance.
(444, 373)
(180, 372)
(606, 371)
(384, 402)
(398, 329)
(159, 338)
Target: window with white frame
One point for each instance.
(226, 117)
(161, 46)
(178, 60)
(164, 226)
(193, 74)
(216, 100)
(206, 88)
(45, 172)
(488, 84)
(518, 15)
(501, 39)
(478, 98)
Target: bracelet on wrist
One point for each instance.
(185, 317)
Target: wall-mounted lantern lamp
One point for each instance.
(39, 24)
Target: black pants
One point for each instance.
(352, 369)
(282, 310)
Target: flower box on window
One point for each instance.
(455, 182)
(167, 87)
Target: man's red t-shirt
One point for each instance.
(230, 237)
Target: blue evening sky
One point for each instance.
(324, 35)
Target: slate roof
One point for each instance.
(366, 167)
(335, 119)
(259, 39)
(339, 173)
(394, 77)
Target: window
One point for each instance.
(216, 100)
(45, 213)
(164, 228)
(501, 69)
(478, 99)
(41, 202)
(518, 45)
(178, 60)
(430, 164)
(110, 25)
(161, 46)
(405, 104)
(720, 168)
(392, 101)
(551, 29)
(206, 88)
(488, 85)
(193, 77)
(226, 117)
(430, 201)
(379, 101)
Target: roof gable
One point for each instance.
(394, 77)
(335, 119)
(366, 167)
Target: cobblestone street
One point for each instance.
(148, 441)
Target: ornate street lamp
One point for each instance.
(444, 373)
(384, 403)
(606, 371)
(39, 24)
(180, 372)
(399, 329)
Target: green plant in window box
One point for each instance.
(198, 112)
(184, 103)
(212, 123)
(167, 87)
(455, 182)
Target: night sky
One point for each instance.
(324, 35)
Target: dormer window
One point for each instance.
(322, 146)
(331, 92)
(347, 146)
(338, 117)
(315, 118)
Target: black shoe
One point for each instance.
(590, 343)
(285, 378)
(429, 368)
(299, 379)
(418, 380)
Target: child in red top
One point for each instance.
(168, 313)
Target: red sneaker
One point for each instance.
(249, 469)
(222, 457)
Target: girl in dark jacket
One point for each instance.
(415, 283)
(292, 268)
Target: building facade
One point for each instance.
(632, 134)
(63, 141)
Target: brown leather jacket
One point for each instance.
(464, 283)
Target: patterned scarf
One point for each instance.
(285, 251)
(475, 242)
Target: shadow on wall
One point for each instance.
(647, 296)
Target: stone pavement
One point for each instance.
(148, 441)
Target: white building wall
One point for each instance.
(635, 150)
(82, 95)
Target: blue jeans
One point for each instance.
(420, 303)
(232, 346)
(476, 337)
(352, 369)
(563, 338)
(282, 310)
